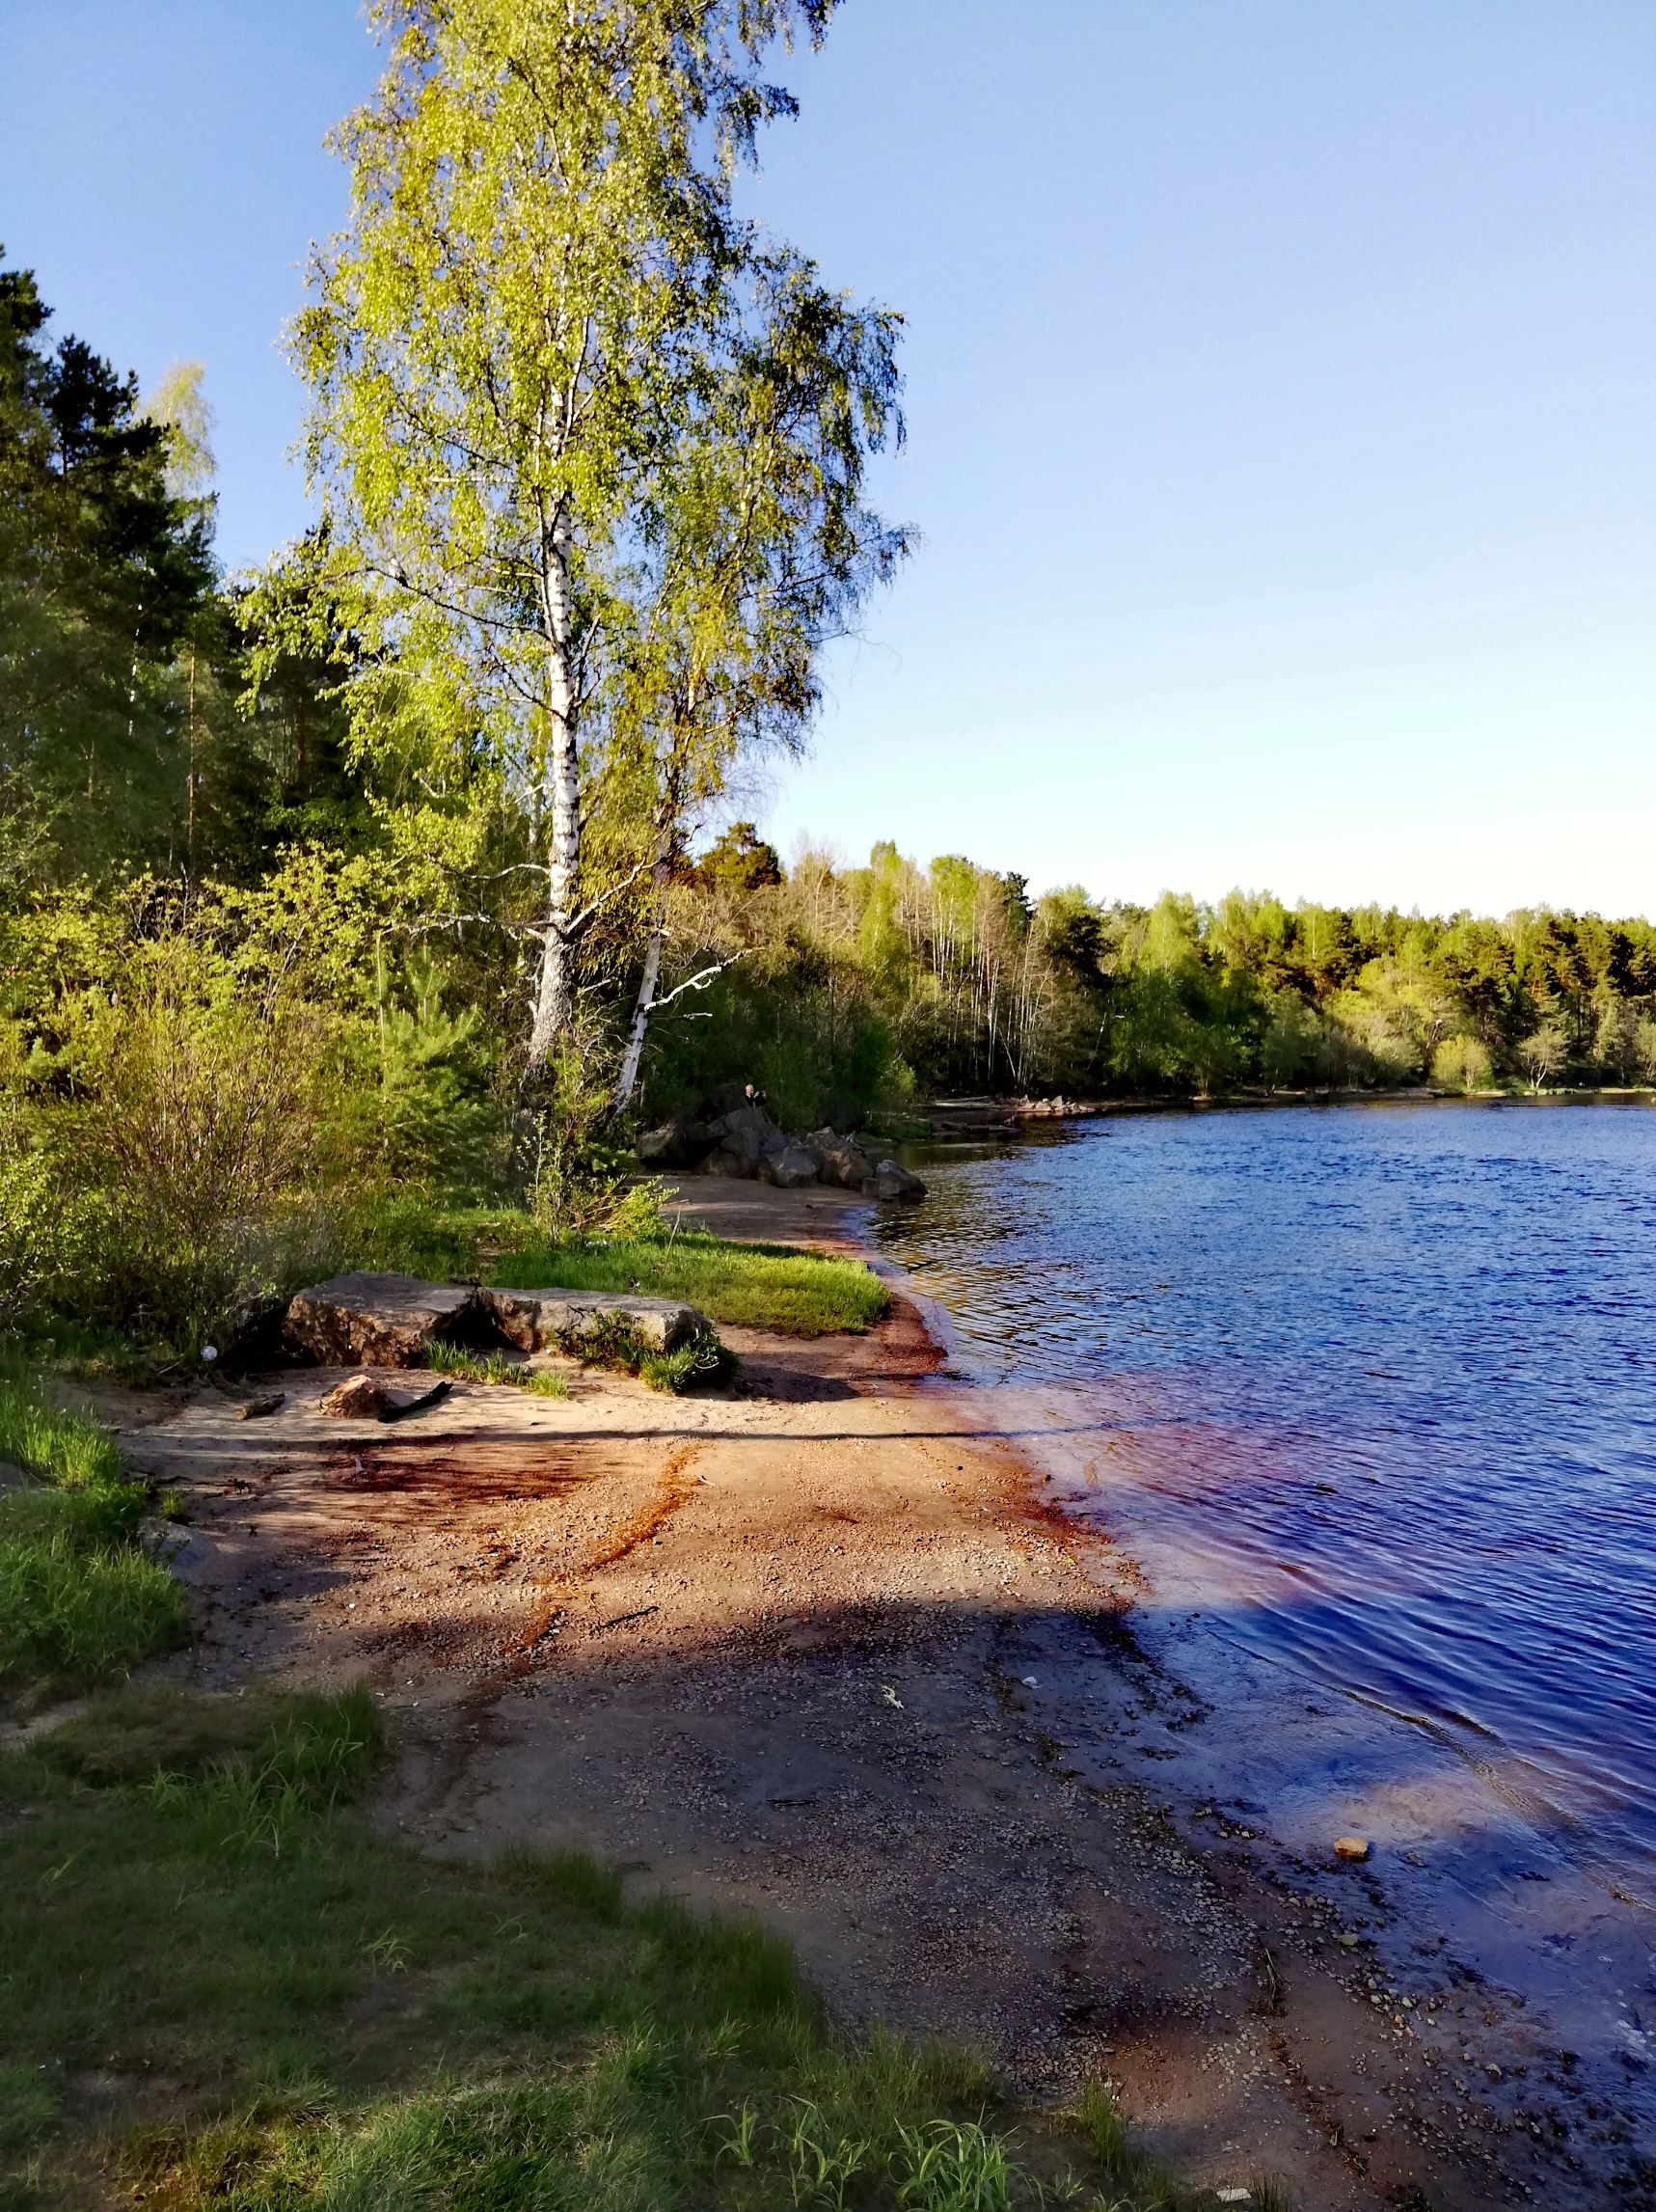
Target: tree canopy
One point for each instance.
(589, 452)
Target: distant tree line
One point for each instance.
(851, 991)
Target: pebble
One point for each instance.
(1350, 1846)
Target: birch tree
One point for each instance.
(505, 347)
(759, 547)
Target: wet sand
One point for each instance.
(824, 1650)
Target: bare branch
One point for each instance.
(703, 980)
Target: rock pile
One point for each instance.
(732, 1134)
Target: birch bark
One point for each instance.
(555, 995)
(630, 1059)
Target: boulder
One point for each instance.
(683, 1142)
(840, 1160)
(536, 1319)
(790, 1166)
(730, 1160)
(891, 1182)
(740, 1138)
(376, 1321)
(362, 1398)
(730, 1098)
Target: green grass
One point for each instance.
(286, 2008)
(81, 1601)
(750, 1285)
(495, 1367)
(611, 1341)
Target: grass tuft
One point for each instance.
(495, 1367)
(746, 1286)
(611, 1341)
(81, 1600)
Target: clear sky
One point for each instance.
(1282, 399)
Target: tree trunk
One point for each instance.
(636, 1035)
(555, 995)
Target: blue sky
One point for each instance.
(1281, 396)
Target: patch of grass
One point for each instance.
(88, 1350)
(749, 1286)
(611, 1341)
(81, 1600)
(188, 1897)
(495, 1367)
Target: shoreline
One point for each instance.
(825, 1653)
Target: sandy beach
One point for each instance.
(821, 1651)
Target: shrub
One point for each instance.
(1461, 1064)
(31, 1218)
(202, 1124)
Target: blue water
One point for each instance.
(1396, 1367)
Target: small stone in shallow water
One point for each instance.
(1350, 1846)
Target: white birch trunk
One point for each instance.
(635, 1053)
(555, 995)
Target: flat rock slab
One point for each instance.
(537, 1320)
(376, 1321)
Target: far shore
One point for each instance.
(803, 1650)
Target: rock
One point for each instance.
(735, 1158)
(360, 1398)
(790, 1168)
(742, 1138)
(1350, 1846)
(536, 1319)
(731, 1098)
(660, 1147)
(840, 1161)
(684, 1141)
(376, 1321)
(891, 1182)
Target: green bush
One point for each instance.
(1461, 1064)
(199, 1125)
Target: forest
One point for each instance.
(404, 875)
(261, 981)
(863, 991)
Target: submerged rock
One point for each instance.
(376, 1321)
(894, 1182)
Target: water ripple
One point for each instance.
(1389, 1369)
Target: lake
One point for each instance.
(1371, 1391)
